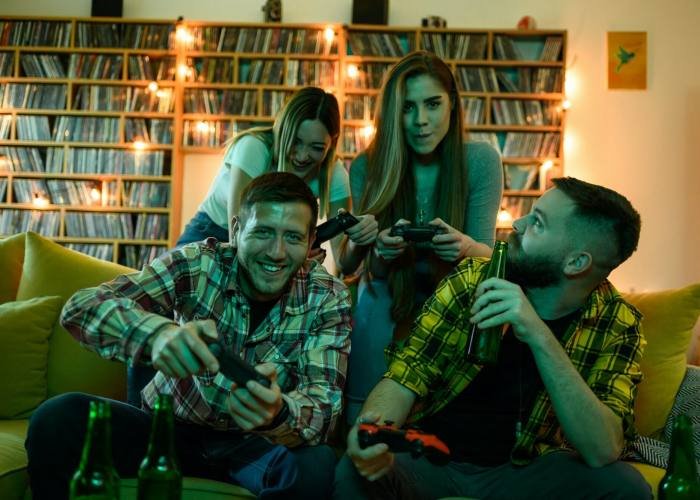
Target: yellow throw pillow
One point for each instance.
(669, 317)
(25, 328)
(11, 258)
(50, 269)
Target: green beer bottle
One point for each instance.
(483, 345)
(681, 478)
(159, 475)
(96, 478)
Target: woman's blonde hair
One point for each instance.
(308, 103)
(390, 188)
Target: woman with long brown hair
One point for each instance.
(419, 170)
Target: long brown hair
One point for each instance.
(390, 188)
(308, 103)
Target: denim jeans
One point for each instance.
(199, 228)
(57, 431)
(560, 474)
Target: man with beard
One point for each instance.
(551, 418)
(258, 297)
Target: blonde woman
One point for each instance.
(418, 170)
(302, 141)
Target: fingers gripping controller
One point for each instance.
(333, 227)
(234, 368)
(405, 440)
(415, 233)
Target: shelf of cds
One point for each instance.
(97, 114)
(239, 76)
(87, 121)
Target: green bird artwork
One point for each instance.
(624, 56)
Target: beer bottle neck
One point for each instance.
(681, 459)
(97, 451)
(161, 442)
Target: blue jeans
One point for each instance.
(199, 228)
(57, 431)
(560, 474)
(372, 331)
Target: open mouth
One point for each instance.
(301, 166)
(271, 268)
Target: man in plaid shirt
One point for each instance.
(550, 419)
(258, 297)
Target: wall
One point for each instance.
(645, 144)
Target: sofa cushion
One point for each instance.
(50, 269)
(193, 488)
(13, 458)
(669, 317)
(11, 258)
(25, 327)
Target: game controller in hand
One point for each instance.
(415, 233)
(234, 368)
(333, 227)
(404, 440)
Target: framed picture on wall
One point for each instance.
(627, 60)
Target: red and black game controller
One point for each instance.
(405, 440)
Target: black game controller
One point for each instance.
(234, 368)
(415, 233)
(405, 440)
(333, 227)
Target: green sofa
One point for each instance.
(39, 359)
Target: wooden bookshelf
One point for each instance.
(97, 114)
(87, 128)
(243, 73)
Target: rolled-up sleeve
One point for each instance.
(117, 318)
(616, 374)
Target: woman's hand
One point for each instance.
(318, 254)
(364, 232)
(390, 247)
(451, 245)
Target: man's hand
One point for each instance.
(450, 245)
(374, 461)
(390, 247)
(364, 232)
(255, 405)
(180, 351)
(499, 302)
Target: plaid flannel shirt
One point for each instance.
(605, 346)
(305, 335)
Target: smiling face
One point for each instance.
(540, 244)
(426, 115)
(273, 240)
(309, 149)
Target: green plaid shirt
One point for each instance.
(604, 345)
(306, 335)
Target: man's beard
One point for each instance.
(530, 271)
